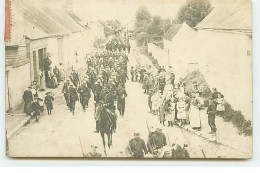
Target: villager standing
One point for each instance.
(211, 116)
(28, 98)
(48, 102)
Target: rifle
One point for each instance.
(81, 147)
(203, 153)
(148, 143)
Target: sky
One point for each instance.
(124, 10)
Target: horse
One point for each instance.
(105, 125)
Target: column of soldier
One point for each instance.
(105, 77)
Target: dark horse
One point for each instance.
(105, 124)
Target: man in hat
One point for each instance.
(28, 98)
(158, 139)
(65, 91)
(211, 111)
(132, 71)
(93, 152)
(85, 95)
(136, 147)
(121, 95)
(97, 88)
(36, 108)
(73, 97)
(172, 75)
(162, 82)
(48, 102)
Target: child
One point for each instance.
(181, 111)
(48, 102)
(36, 109)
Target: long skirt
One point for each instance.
(155, 105)
(194, 117)
(161, 113)
(169, 116)
(28, 107)
(181, 115)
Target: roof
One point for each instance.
(172, 31)
(229, 18)
(40, 22)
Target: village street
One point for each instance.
(64, 135)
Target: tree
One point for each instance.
(167, 23)
(194, 11)
(155, 28)
(142, 18)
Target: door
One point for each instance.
(35, 73)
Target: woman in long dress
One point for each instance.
(42, 82)
(155, 102)
(161, 109)
(181, 115)
(195, 121)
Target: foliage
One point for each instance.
(150, 28)
(194, 11)
(197, 76)
(142, 18)
(111, 27)
(236, 117)
(230, 115)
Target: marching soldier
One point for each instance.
(73, 97)
(65, 91)
(136, 147)
(121, 95)
(75, 78)
(84, 95)
(97, 88)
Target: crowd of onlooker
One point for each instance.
(173, 103)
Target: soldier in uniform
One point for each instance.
(121, 95)
(73, 97)
(28, 98)
(84, 95)
(158, 139)
(97, 88)
(65, 91)
(93, 152)
(136, 147)
(75, 78)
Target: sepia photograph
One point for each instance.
(129, 79)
